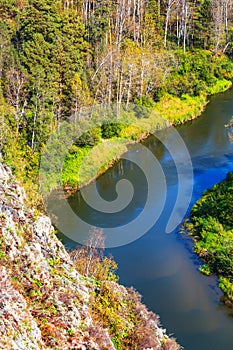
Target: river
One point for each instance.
(161, 266)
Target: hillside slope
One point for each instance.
(44, 302)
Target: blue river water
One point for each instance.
(161, 266)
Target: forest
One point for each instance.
(61, 57)
(57, 57)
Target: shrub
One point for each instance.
(145, 101)
(90, 138)
(110, 130)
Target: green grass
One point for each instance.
(220, 86)
(88, 163)
(179, 110)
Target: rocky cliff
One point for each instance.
(44, 302)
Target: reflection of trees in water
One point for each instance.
(156, 146)
(229, 126)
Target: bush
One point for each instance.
(90, 138)
(223, 67)
(145, 101)
(196, 73)
(73, 149)
(132, 133)
(110, 130)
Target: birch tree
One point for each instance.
(16, 93)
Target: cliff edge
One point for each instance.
(44, 302)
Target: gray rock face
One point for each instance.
(44, 301)
(5, 173)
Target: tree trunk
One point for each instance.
(167, 21)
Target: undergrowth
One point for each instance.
(115, 307)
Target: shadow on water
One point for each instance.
(162, 266)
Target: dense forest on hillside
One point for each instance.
(57, 57)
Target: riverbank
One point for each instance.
(211, 226)
(81, 164)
